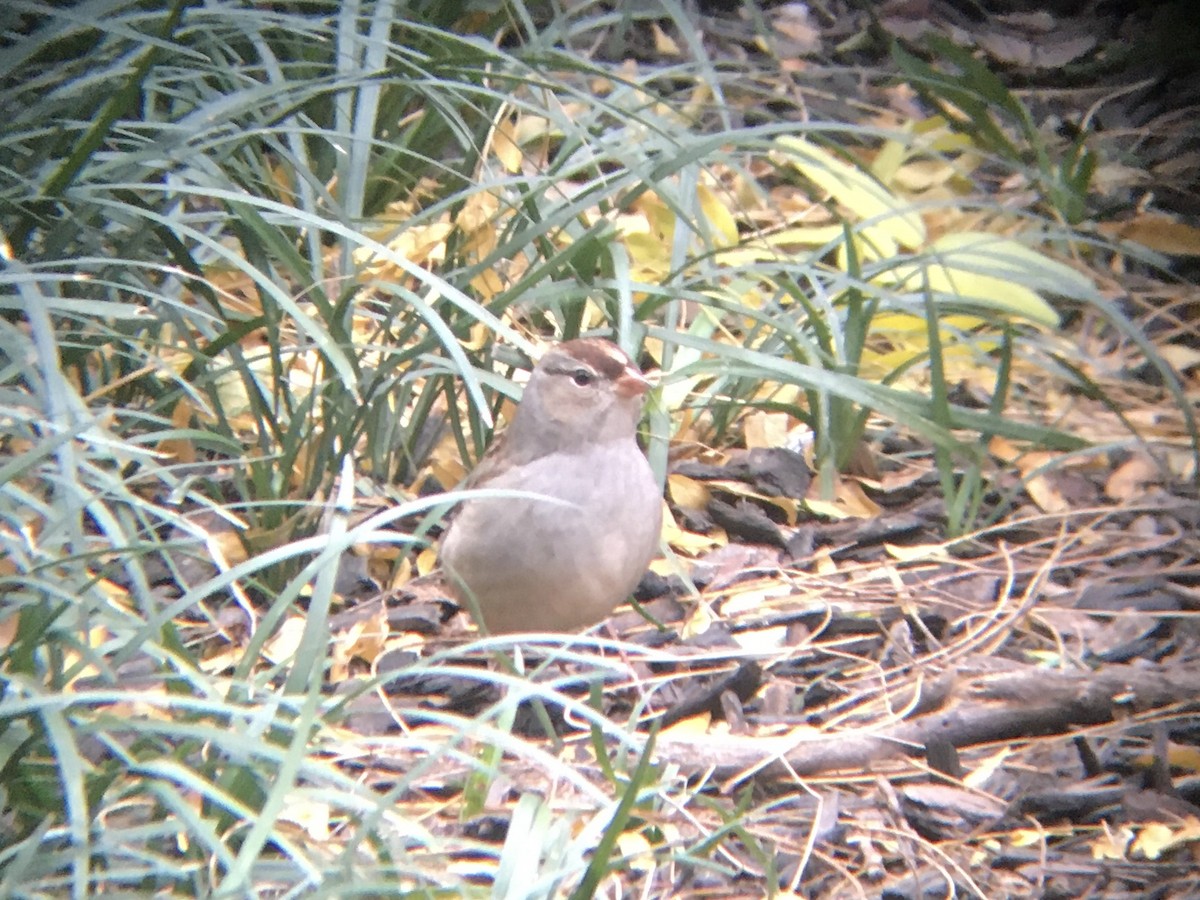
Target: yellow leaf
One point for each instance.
(849, 503)
(940, 138)
(697, 623)
(857, 191)
(746, 254)
(873, 242)
(423, 243)
(724, 226)
(827, 508)
(488, 284)
(787, 505)
(1153, 840)
(364, 640)
(764, 429)
(426, 561)
(982, 772)
(664, 44)
(310, 815)
(1111, 845)
(505, 147)
(693, 725)
(994, 272)
(916, 552)
(1026, 837)
(286, 641)
(648, 253)
(1184, 757)
(890, 158)
(687, 492)
(636, 852)
(688, 542)
(534, 128)
(921, 175)
(823, 562)
(805, 236)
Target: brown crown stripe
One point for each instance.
(606, 358)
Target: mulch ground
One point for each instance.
(886, 711)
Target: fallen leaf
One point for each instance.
(911, 553)
(1156, 232)
(693, 725)
(687, 493)
(310, 815)
(995, 273)
(764, 429)
(505, 147)
(762, 640)
(1131, 479)
(1043, 491)
(850, 502)
(636, 852)
(856, 190)
(793, 22)
(286, 641)
(664, 44)
(1110, 844)
(1156, 838)
(363, 640)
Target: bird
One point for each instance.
(563, 560)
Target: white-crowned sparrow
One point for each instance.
(562, 563)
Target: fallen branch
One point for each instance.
(1019, 704)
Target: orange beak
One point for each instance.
(633, 383)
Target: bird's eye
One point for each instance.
(582, 377)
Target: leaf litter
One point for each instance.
(1008, 712)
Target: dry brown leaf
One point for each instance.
(8, 631)
(1181, 356)
(763, 429)
(1111, 844)
(1044, 53)
(1157, 232)
(823, 562)
(903, 477)
(363, 640)
(1131, 479)
(1043, 491)
(688, 493)
(793, 22)
(750, 600)
(286, 641)
(850, 502)
(786, 505)
(664, 44)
